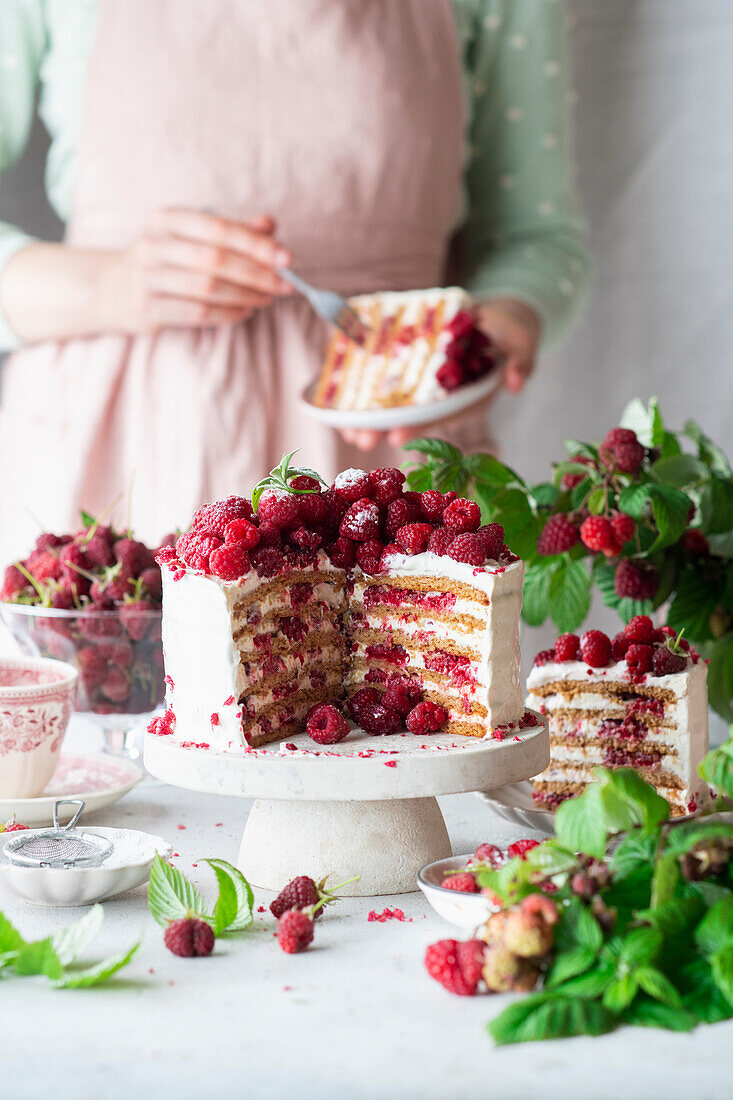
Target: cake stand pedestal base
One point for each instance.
(384, 842)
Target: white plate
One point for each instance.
(98, 778)
(85, 885)
(402, 416)
(466, 911)
(514, 803)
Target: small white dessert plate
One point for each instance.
(98, 778)
(402, 416)
(127, 867)
(514, 803)
(467, 911)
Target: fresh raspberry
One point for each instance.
(640, 629)
(558, 535)
(326, 725)
(456, 965)
(388, 553)
(368, 555)
(426, 718)
(13, 583)
(639, 657)
(153, 582)
(567, 647)
(621, 450)
(637, 581)
(267, 560)
(44, 565)
(116, 686)
(439, 541)
(294, 628)
(361, 521)
(166, 554)
(400, 513)
(313, 506)
(467, 548)
(666, 663)
(243, 533)
(136, 619)
(695, 543)
(362, 698)
(270, 536)
(194, 549)
(451, 375)
(73, 559)
(305, 538)
(99, 548)
(595, 648)
(213, 519)
(278, 507)
(520, 848)
(14, 827)
(189, 937)
(597, 535)
(465, 883)
(462, 324)
(122, 584)
(413, 537)
(48, 541)
(230, 561)
(462, 516)
(492, 535)
(353, 485)
(619, 437)
(342, 553)
(335, 507)
(489, 853)
(300, 893)
(623, 527)
(305, 484)
(134, 556)
(386, 484)
(378, 720)
(402, 694)
(294, 931)
(619, 645)
(433, 504)
(544, 657)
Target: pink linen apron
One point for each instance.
(343, 119)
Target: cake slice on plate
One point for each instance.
(638, 701)
(422, 345)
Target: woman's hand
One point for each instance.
(189, 269)
(514, 328)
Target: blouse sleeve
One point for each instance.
(22, 44)
(524, 234)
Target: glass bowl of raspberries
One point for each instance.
(93, 599)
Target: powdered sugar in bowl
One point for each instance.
(36, 702)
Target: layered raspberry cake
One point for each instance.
(422, 344)
(639, 701)
(360, 592)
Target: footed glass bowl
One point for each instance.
(118, 654)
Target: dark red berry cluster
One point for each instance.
(644, 648)
(470, 353)
(399, 705)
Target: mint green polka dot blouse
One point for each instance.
(524, 232)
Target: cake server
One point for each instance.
(329, 305)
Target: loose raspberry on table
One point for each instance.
(451, 375)
(342, 552)
(623, 527)
(267, 560)
(14, 826)
(363, 697)
(189, 937)
(462, 516)
(567, 647)
(619, 644)
(243, 533)
(386, 484)
(278, 507)
(326, 725)
(595, 648)
(637, 581)
(465, 883)
(520, 848)
(558, 535)
(413, 537)
(378, 720)
(300, 893)
(426, 718)
(400, 513)
(456, 965)
(492, 535)
(666, 663)
(640, 628)
(467, 548)
(230, 562)
(489, 853)
(433, 504)
(360, 521)
(544, 657)
(195, 549)
(597, 535)
(294, 931)
(440, 540)
(352, 485)
(402, 694)
(639, 657)
(368, 555)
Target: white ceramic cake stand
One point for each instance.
(328, 810)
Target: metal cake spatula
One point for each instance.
(329, 305)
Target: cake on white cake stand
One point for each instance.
(366, 806)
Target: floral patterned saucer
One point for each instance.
(98, 778)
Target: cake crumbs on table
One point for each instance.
(387, 914)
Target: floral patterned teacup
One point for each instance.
(36, 702)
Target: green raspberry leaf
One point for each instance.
(715, 930)
(569, 594)
(620, 993)
(171, 895)
(658, 986)
(716, 768)
(579, 823)
(71, 941)
(648, 1013)
(539, 1017)
(38, 958)
(233, 911)
(536, 599)
(93, 975)
(569, 965)
(721, 964)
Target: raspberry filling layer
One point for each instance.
(457, 669)
(392, 654)
(399, 597)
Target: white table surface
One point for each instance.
(355, 1015)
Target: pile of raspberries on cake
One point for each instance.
(362, 519)
(644, 648)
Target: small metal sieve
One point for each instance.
(62, 846)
